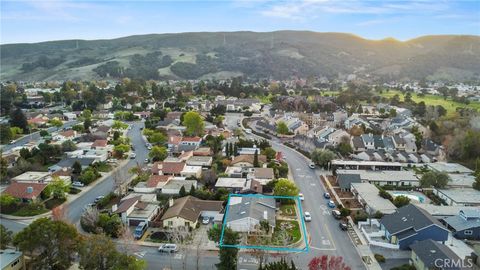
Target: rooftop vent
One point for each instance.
(29, 190)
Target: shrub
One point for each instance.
(379, 258)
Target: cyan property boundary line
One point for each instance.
(288, 249)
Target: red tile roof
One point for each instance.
(100, 143)
(175, 140)
(191, 139)
(168, 167)
(155, 179)
(19, 190)
(68, 133)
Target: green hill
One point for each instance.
(279, 55)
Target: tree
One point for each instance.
(278, 265)
(51, 244)
(269, 153)
(5, 237)
(400, 201)
(282, 128)
(68, 146)
(435, 179)
(192, 191)
(121, 149)
(76, 168)
(344, 148)
(228, 255)
(118, 125)
(194, 124)
(182, 192)
(57, 188)
(285, 187)
(55, 122)
(256, 164)
(16, 131)
(6, 133)
(87, 123)
(111, 225)
(326, 262)
(322, 157)
(18, 119)
(158, 153)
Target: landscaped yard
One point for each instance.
(288, 210)
(286, 230)
(24, 209)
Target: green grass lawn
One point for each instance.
(433, 100)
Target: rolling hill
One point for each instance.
(278, 55)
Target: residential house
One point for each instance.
(345, 178)
(167, 168)
(429, 255)
(154, 184)
(368, 141)
(11, 259)
(102, 145)
(32, 177)
(202, 161)
(192, 171)
(65, 135)
(246, 213)
(135, 209)
(365, 165)
(186, 211)
(465, 225)
(262, 175)
(239, 185)
(173, 186)
(367, 195)
(248, 160)
(25, 191)
(236, 172)
(399, 142)
(67, 163)
(462, 196)
(357, 144)
(411, 224)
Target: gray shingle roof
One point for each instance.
(429, 251)
(408, 217)
(253, 207)
(467, 219)
(344, 180)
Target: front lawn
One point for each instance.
(286, 231)
(53, 202)
(31, 209)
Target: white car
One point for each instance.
(168, 248)
(311, 165)
(307, 217)
(300, 195)
(78, 184)
(205, 220)
(133, 156)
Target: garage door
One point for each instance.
(134, 222)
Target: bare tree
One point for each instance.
(120, 179)
(179, 236)
(128, 244)
(89, 219)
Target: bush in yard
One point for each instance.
(106, 200)
(345, 212)
(110, 225)
(379, 258)
(400, 201)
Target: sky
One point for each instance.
(34, 21)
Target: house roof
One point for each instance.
(20, 190)
(190, 208)
(358, 142)
(103, 128)
(100, 143)
(466, 219)
(155, 179)
(408, 217)
(175, 140)
(168, 167)
(127, 203)
(67, 133)
(191, 139)
(430, 251)
(264, 173)
(249, 159)
(345, 179)
(259, 208)
(68, 162)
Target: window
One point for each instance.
(468, 232)
(170, 223)
(187, 224)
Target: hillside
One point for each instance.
(277, 55)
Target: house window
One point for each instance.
(187, 224)
(468, 232)
(170, 223)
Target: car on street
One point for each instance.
(168, 248)
(133, 156)
(326, 195)
(248, 131)
(146, 160)
(300, 195)
(311, 165)
(97, 199)
(331, 204)
(12, 141)
(77, 184)
(343, 226)
(307, 217)
(149, 147)
(88, 206)
(205, 220)
(336, 214)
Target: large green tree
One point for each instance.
(158, 153)
(194, 124)
(322, 157)
(18, 119)
(51, 244)
(282, 128)
(5, 237)
(228, 255)
(435, 179)
(285, 187)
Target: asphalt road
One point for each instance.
(34, 136)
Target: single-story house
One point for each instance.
(248, 160)
(204, 161)
(185, 211)
(133, 211)
(345, 178)
(410, 224)
(235, 171)
(11, 259)
(65, 135)
(25, 191)
(153, 184)
(246, 213)
(173, 186)
(429, 254)
(192, 171)
(68, 163)
(466, 196)
(262, 175)
(32, 177)
(465, 225)
(170, 168)
(233, 184)
(367, 196)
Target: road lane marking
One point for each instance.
(317, 248)
(140, 254)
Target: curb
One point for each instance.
(11, 217)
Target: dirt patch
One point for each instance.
(351, 203)
(343, 194)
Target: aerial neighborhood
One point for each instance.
(283, 165)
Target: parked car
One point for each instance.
(77, 184)
(112, 160)
(336, 214)
(326, 195)
(147, 160)
(331, 204)
(97, 199)
(311, 165)
(168, 248)
(205, 220)
(343, 226)
(12, 141)
(307, 217)
(248, 131)
(133, 156)
(300, 195)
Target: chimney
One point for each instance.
(170, 202)
(29, 190)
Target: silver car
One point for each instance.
(168, 248)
